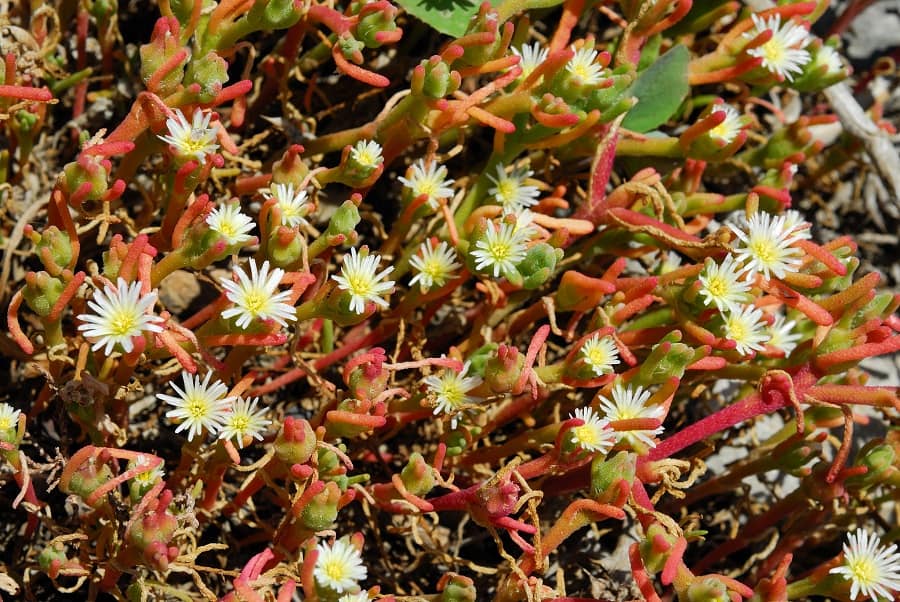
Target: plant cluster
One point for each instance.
(513, 283)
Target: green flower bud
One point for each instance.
(321, 511)
(58, 245)
(52, 557)
(344, 220)
(41, 292)
(349, 46)
(539, 265)
(607, 471)
(706, 590)
(878, 457)
(285, 247)
(666, 359)
(91, 169)
(163, 45)
(296, 441)
(374, 23)
(267, 15)
(458, 589)
(417, 475)
(654, 558)
(211, 72)
(90, 476)
(502, 371)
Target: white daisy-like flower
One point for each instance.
(339, 567)
(782, 335)
(255, 296)
(594, 435)
(367, 154)
(9, 417)
(628, 403)
(745, 326)
(796, 224)
(430, 180)
(243, 421)
(510, 191)
(721, 283)
(530, 56)
(200, 406)
(194, 140)
(872, 569)
(292, 204)
(359, 278)
(601, 354)
(501, 248)
(119, 315)
(435, 265)
(451, 392)
(784, 53)
(584, 66)
(766, 245)
(148, 478)
(228, 221)
(730, 127)
(357, 597)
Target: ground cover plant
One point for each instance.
(439, 301)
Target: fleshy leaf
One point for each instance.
(447, 16)
(660, 90)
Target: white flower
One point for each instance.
(600, 354)
(451, 392)
(254, 297)
(530, 56)
(795, 224)
(830, 59)
(228, 221)
(201, 405)
(721, 284)
(873, 569)
(501, 247)
(435, 265)
(510, 190)
(730, 127)
(766, 245)
(358, 277)
(628, 403)
(367, 154)
(244, 421)
(9, 417)
(358, 597)
(594, 435)
(746, 327)
(430, 180)
(119, 315)
(584, 66)
(339, 567)
(783, 54)
(292, 204)
(192, 140)
(148, 477)
(782, 335)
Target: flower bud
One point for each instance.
(457, 588)
(296, 441)
(373, 23)
(163, 45)
(666, 359)
(825, 69)
(502, 371)
(539, 265)
(321, 511)
(150, 536)
(706, 590)
(417, 475)
(655, 547)
(52, 558)
(285, 248)
(41, 292)
(608, 471)
(878, 457)
(58, 254)
(89, 476)
(211, 73)
(91, 169)
(269, 15)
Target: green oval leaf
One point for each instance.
(660, 90)
(447, 16)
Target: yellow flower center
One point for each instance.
(123, 323)
(764, 250)
(365, 158)
(598, 355)
(499, 250)
(335, 569)
(586, 435)
(196, 141)
(720, 131)
(434, 267)
(506, 190)
(453, 393)
(737, 330)
(864, 571)
(427, 187)
(5, 424)
(717, 286)
(255, 301)
(774, 52)
(196, 407)
(360, 284)
(240, 423)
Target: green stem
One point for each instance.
(168, 264)
(650, 147)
